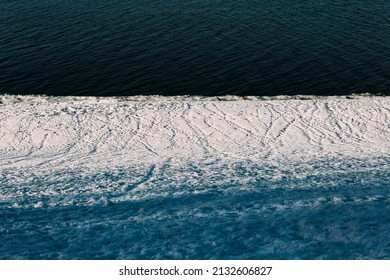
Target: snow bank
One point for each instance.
(195, 178)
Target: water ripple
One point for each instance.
(195, 47)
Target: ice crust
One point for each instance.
(15, 98)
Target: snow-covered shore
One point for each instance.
(39, 131)
(166, 178)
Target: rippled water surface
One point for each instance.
(210, 47)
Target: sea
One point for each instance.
(194, 47)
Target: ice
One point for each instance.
(194, 178)
(6, 98)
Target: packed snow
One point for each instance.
(194, 178)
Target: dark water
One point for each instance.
(209, 47)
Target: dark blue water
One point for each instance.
(200, 47)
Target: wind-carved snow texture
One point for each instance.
(115, 179)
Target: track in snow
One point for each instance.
(111, 178)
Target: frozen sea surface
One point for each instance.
(110, 178)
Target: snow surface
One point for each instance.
(194, 178)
